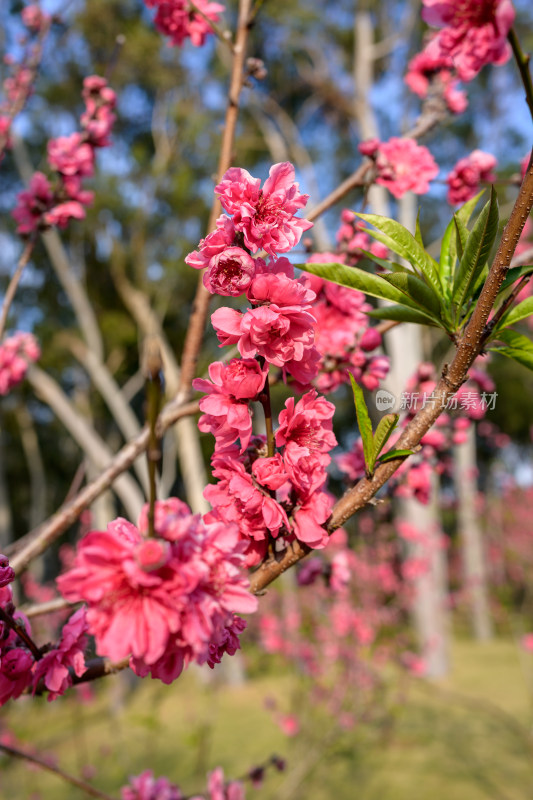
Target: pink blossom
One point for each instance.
(527, 642)
(16, 352)
(164, 616)
(98, 118)
(226, 408)
(405, 166)
(53, 668)
(427, 68)
(61, 214)
(279, 334)
(213, 244)
(175, 19)
(310, 518)
(33, 203)
(70, 155)
(146, 787)
(270, 472)
(307, 423)
(220, 790)
(465, 178)
(265, 217)
(33, 17)
(230, 273)
(472, 33)
(289, 724)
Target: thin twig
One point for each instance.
(223, 35)
(14, 282)
(36, 542)
(522, 59)
(15, 752)
(17, 626)
(50, 607)
(195, 332)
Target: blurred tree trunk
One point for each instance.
(472, 555)
(6, 520)
(404, 346)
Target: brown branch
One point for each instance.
(452, 378)
(49, 607)
(36, 542)
(15, 752)
(195, 332)
(14, 282)
(17, 626)
(522, 59)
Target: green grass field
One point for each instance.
(467, 738)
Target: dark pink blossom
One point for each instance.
(54, 668)
(32, 203)
(98, 117)
(7, 573)
(467, 175)
(473, 33)
(265, 217)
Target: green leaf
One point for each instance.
(384, 429)
(461, 235)
(390, 454)
(356, 278)
(517, 313)
(448, 248)
(401, 241)
(418, 233)
(399, 313)
(392, 266)
(518, 347)
(418, 291)
(514, 274)
(476, 251)
(365, 425)
(465, 212)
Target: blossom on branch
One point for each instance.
(265, 217)
(16, 353)
(402, 165)
(472, 32)
(465, 178)
(166, 600)
(178, 20)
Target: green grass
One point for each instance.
(466, 738)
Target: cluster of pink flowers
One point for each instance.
(434, 71)
(146, 787)
(179, 21)
(45, 204)
(164, 600)
(352, 240)
(16, 352)
(465, 178)
(472, 32)
(343, 337)
(402, 165)
(278, 497)
(20, 669)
